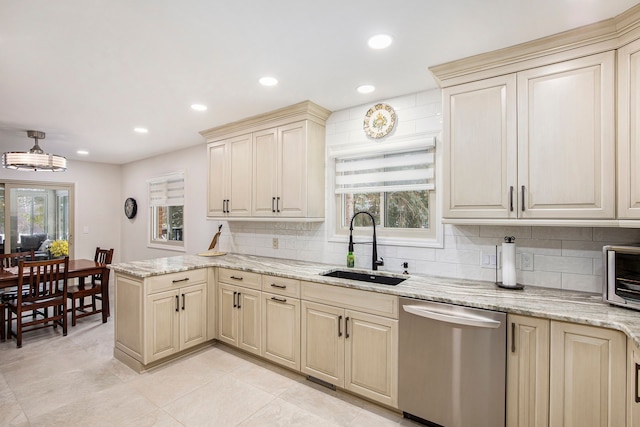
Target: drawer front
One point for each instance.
(175, 280)
(239, 278)
(356, 299)
(281, 286)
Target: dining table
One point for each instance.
(78, 269)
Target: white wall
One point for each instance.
(563, 257)
(198, 231)
(98, 204)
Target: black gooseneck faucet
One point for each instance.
(374, 256)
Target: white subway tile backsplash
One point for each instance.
(616, 235)
(582, 249)
(563, 264)
(562, 233)
(458, 256)
(544, 279)
(502, 231)
(581, 282)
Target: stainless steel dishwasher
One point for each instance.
(452, 364)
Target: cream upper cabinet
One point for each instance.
(229, 185)
(566, 139)
(277, 172)
(527, 372)
(537, 144)
(633, 384)
(587, 376)
(480, 153)
(629, 131)
(288, 165)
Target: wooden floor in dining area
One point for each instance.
(75, 381)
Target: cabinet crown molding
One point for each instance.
(305, 110)
(589, 39)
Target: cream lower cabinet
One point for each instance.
(239, 309)
(159, 316)
(281, 321)
(348, 348)
(587, 376)
(633, 384)
(527, 371)
(176, 320)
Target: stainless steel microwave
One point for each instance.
(622, 275)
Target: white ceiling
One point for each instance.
(87, 72)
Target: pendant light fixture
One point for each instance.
(35, 159)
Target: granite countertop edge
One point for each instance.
(570, 306)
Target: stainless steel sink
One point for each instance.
(380, 279)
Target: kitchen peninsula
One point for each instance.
(167, 307)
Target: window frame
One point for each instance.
(152, 242)
(429, 238)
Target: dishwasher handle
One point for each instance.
(455, 318)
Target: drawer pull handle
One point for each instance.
(180, 280)
(177, 304)
(637, 373)
(234, 300)
(346, 327)
(279, 299)
(339, 326)
(511, 198)
(236, 278)
(275, 285)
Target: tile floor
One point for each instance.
(75, 381)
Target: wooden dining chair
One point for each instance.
(44, 285)
(78, 293)
(9, 261)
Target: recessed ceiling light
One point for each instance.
(198, 107)
(141, 130)
(380, 41)
(366, 88)
(82, 152)
(268, 81)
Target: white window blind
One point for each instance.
(167, 190)
(410, 170)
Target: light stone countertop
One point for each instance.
(578, 307)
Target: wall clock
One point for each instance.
(379, 120)
(130, 207)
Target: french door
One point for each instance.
(35, 213)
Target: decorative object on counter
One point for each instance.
(374, 254)
(351, 259)
(379, 120)
(213, 244)
(509, 264)
(59, 248)
(405, 265)
(35, 159)
(130, 207)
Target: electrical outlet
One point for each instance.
(274, 244)
(526, 261)
(488, 259)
